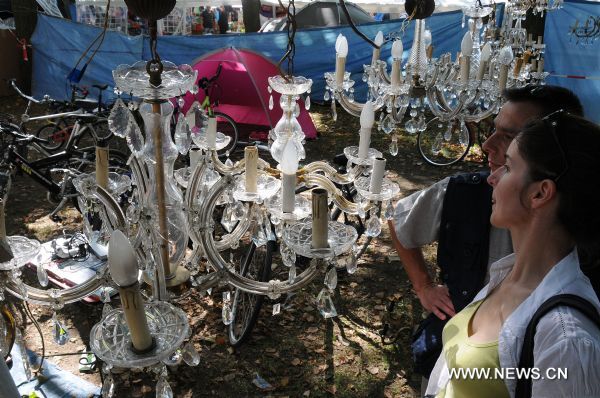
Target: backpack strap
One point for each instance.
(524, 385)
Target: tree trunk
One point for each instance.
(251, 10)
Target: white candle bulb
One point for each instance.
(289, 166)
(397, 49)
(377, 50)
(486, 53)
(377, 175)
(367, 119)
(341, 50)
(505, 57)
(122, 262)
(396, 62)
(466, 45)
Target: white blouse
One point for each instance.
(565, 338)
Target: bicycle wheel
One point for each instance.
(56, 134)
(95, 132)
(227, 126)
(444, 143)
(246, 306)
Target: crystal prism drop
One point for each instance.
(326, 95)
(463, 135)
(436, 147)
(331, 278)
(239, 211)
(276, 309)
(389, 211)
(373, 226)
(106, 308)
(259, 238)
(325, 304)
(105, 295)
(307, 102)
(61, 334)
(394, 146)
(228, 221)
(352, 263)
(292, 274)
(163, 389)
(108, 387)
(227, 314)
(118, 119)
(333, 111)
(42, 275)
(134, 138)
(181, 102)
(183, 135)
(24, 357)
(174, 359)
(190, 354)
(448, 134)
(411, 126)
(271, 102)
(388, 124)
(228, 163)
(288, 256)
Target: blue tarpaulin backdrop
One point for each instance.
(570, 58)
(58, 44)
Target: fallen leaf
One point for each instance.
(296, 361)
(373, 370)
(331, 389)
(220, 340)
(306, 393)
(312, 329)
(284, 381)
(229, 377)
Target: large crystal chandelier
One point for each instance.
(441, 94)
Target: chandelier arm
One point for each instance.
(237, 168)
(352, 107)
(139, 174)
(330, 172)
(382, 72)
(480, 116)
(436, 100)
(338, 199)
(57, 297)
(399, 113)
(113, 210)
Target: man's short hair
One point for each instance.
(547, 98)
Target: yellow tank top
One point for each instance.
(461, 352)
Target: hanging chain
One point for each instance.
(154, 67)
(291, 31)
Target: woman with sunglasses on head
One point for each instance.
(547, 195)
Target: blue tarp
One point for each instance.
(573, 58)
(58, 44)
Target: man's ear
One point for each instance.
(543, 192)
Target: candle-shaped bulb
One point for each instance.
(367, 115)
(397, 49)
(505, 57)
(466, 45)
(379, 38)
(486, 52)
(341, 46)
(122, 262)
(289, 159)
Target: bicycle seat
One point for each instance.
(100, 86)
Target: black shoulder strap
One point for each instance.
(524, 385)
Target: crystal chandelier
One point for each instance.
(441, 94)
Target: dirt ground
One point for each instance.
(298, 352)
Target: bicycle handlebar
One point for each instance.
(19, 136)
(13, 84)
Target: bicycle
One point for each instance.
(446, 143)
(92, 114)
(225, 123)
(55, 172)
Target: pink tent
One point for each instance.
(242, 89)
